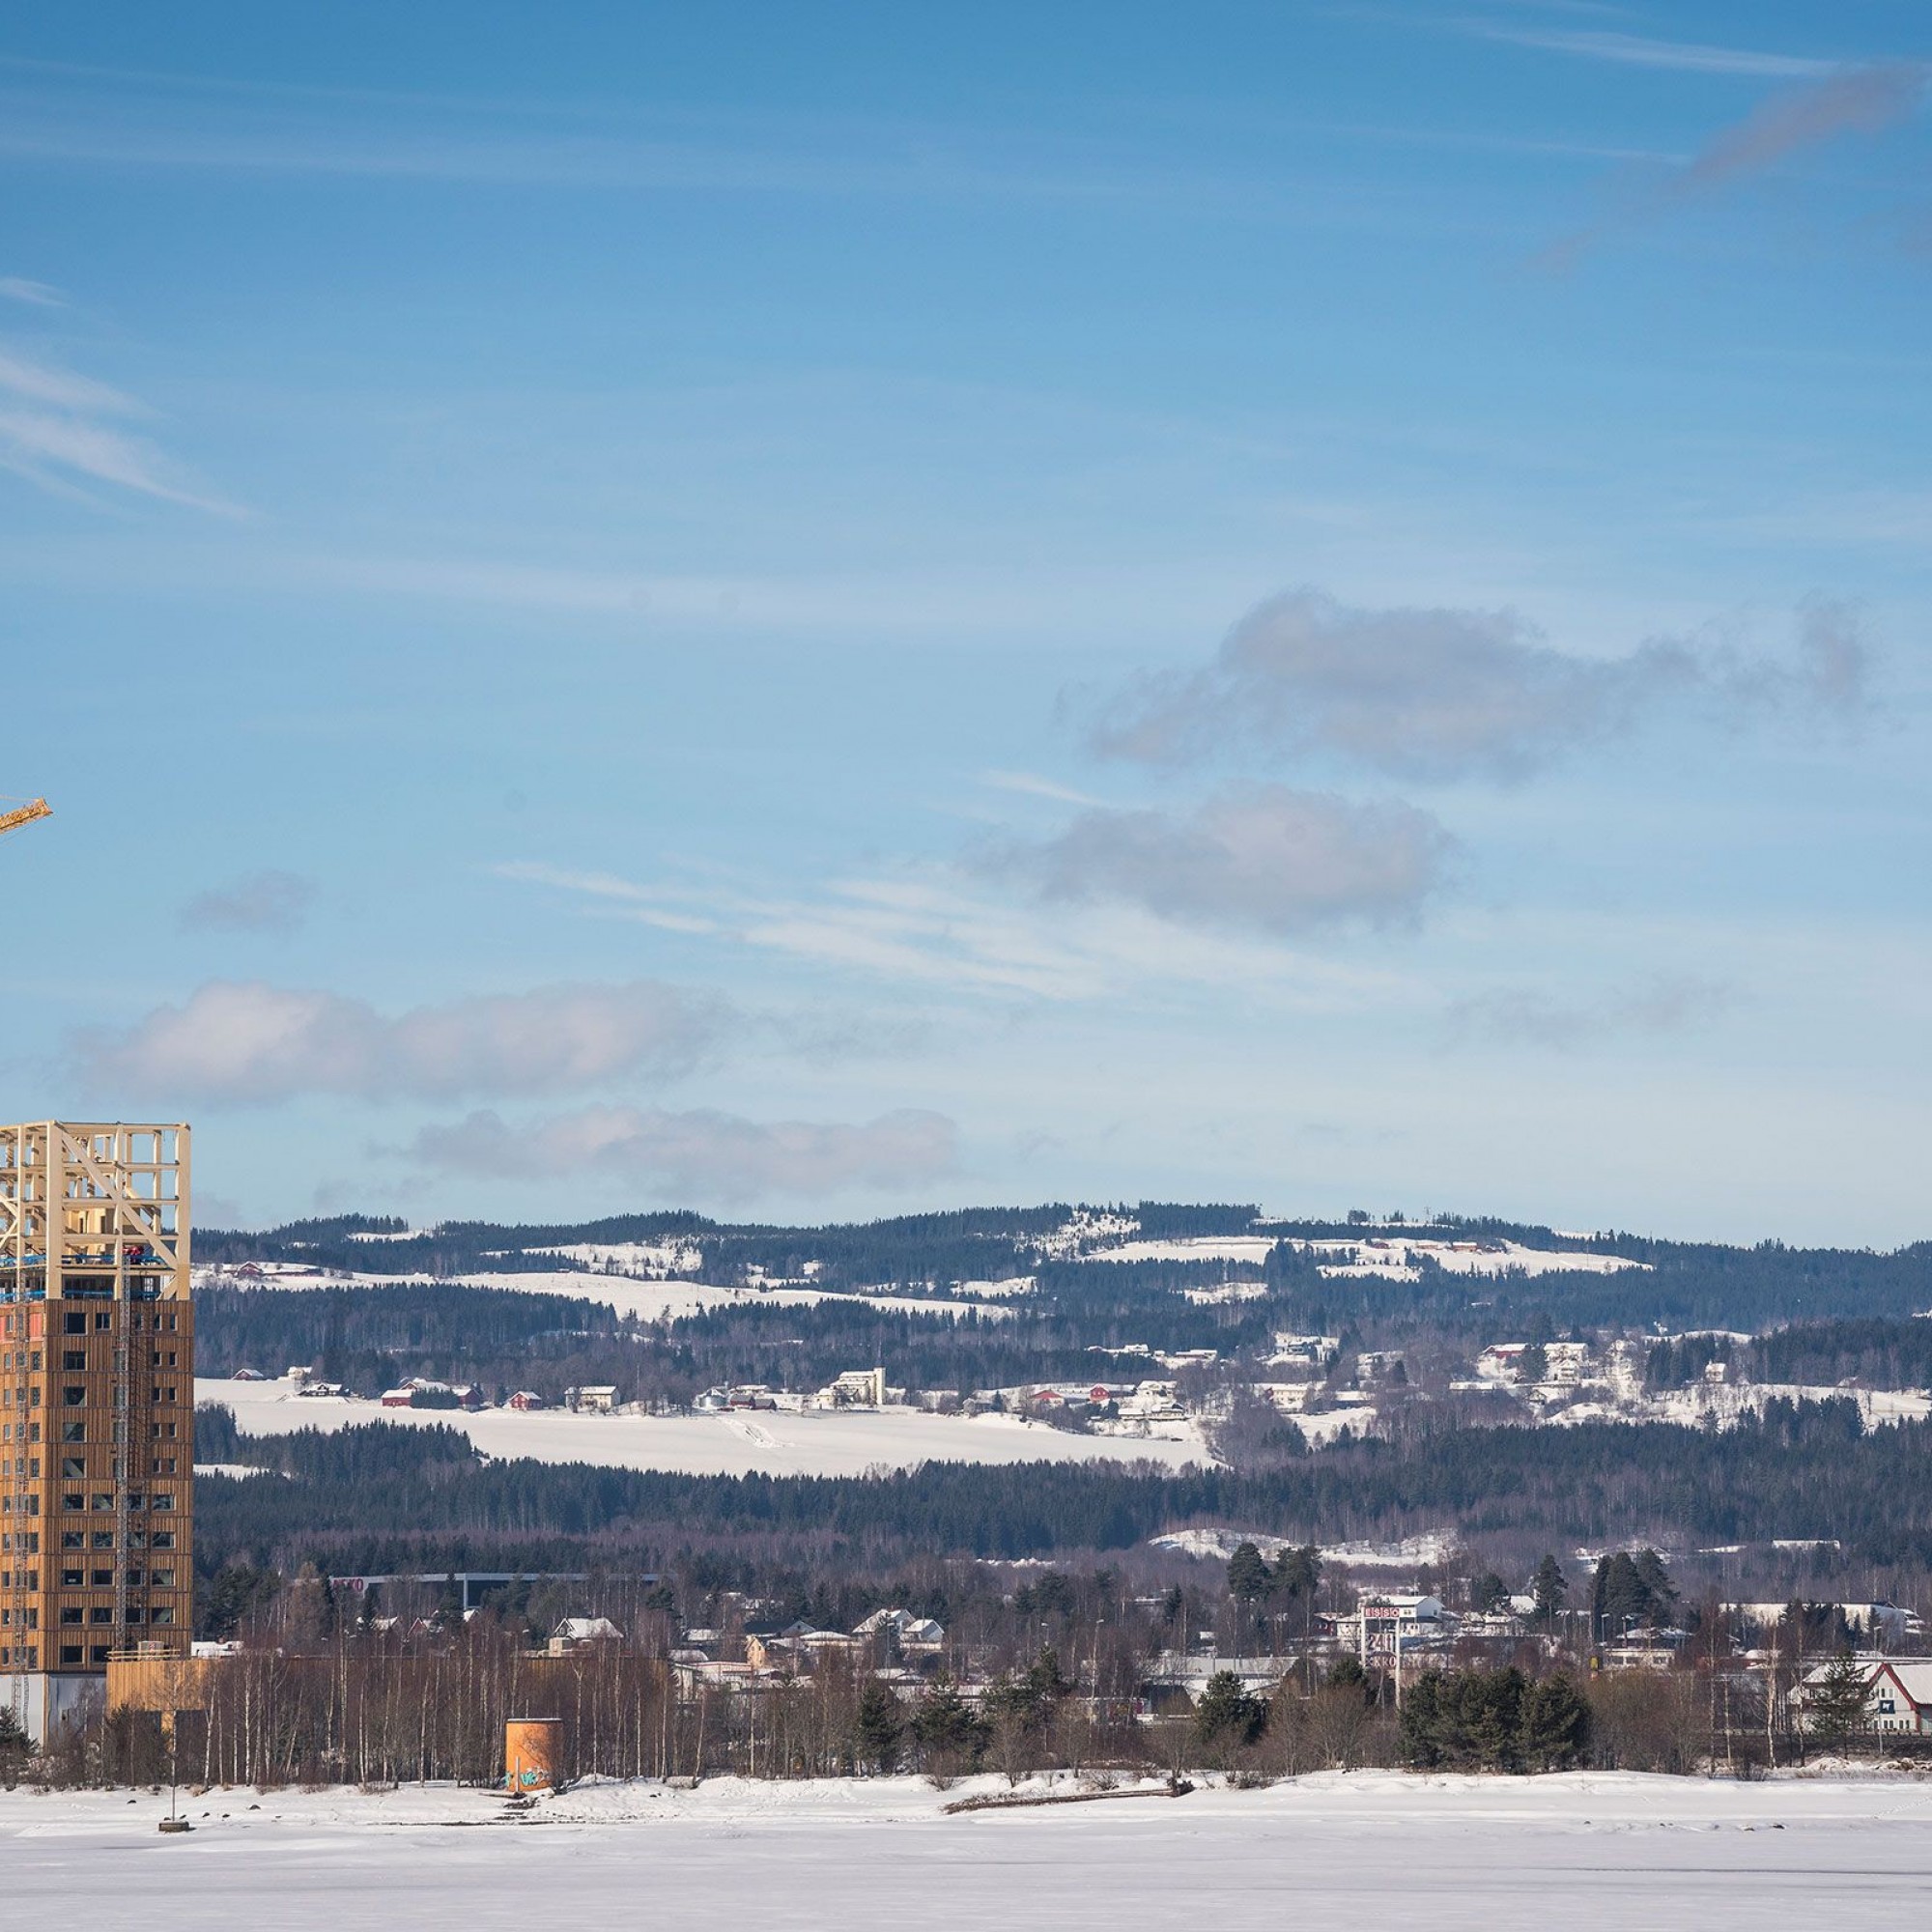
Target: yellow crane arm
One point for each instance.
(25, 814)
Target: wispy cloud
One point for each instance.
(58, 431)
(1447, 693)
(700, 1155)
(61, 388)
(944, 930)
(1522, 1017)
(104, 117)
(1672, 56)
(259, 903)
(248, 1042)
(36, 294)
(1278, 860)
(1028, 785)
(1846, 100)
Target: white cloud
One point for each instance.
(247, 1041)
(1445, 693)
(1264, 857)
(259, 903)
(700, 1155)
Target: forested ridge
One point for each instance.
(1679, 1286)
(380, 1495)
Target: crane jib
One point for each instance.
(25, 814)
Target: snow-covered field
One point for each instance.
(837, 1442)
(1612, 1852)
(649, 1298)
(1722, 1406)
(1393, 1256)
(1410, 1553)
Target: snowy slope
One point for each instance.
(837, 1442)
(649, 1298)
(1391, 1256)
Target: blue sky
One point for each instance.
(807, 612)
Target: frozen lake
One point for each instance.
(1593, 1851)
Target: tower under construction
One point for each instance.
(97, 1408)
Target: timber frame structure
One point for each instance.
(96, 1407)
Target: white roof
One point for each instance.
(584, 1629)
(1914, 1675)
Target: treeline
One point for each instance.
(1684, 1286)
(373, 1707)
(455, 1247)
(1874, 1354)
(503, 1339)
(369, 1338)
(1883, 1354)
(383, 1497)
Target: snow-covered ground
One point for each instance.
(1613, 1853)
(653, 1260)
(1723, 1404)
(1255, 1248)
(1410, 1555)
(1393, 1256)
(832, 1442)
(650, 1298)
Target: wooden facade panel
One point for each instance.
(97, 1394)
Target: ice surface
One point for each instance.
(1610, 1852)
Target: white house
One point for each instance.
(1898, 1693)
(1900, 1697)
(574, 1631)
(913, 1632)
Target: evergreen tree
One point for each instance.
(1227, 1716)
(943, 1724)
(1419, 1729)
(879, 1728)
(1346, 1673)
(1834, 1704)
(1488, 1592)
(1556, 1725)
(1549, 1587)
(1659, 1592)
(1249, 1577)
(1297, 1573)
(15, 1748)
(1464, 1720)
